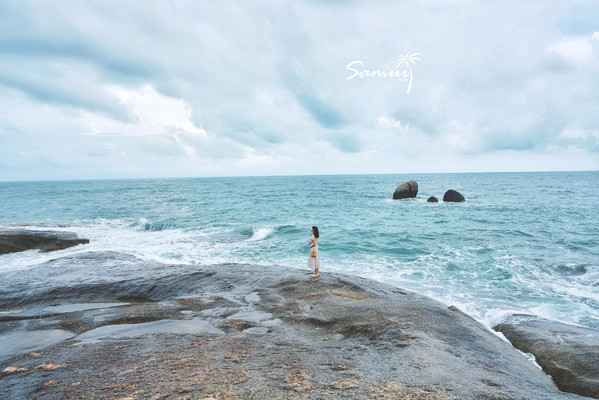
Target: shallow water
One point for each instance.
(194, 326)
(251, 316)
(22, 342)
(67, 308)
(521, 243)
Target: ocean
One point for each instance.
(520, 243)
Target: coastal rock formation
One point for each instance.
(454, 196)
(406, 190)
(21, 240)
(251, 332)
(432, 199)
(568, 353)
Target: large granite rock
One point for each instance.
(453, 196)
(21, 240)
(248, 331)
(406, 190)
(570, 354)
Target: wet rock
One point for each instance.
(21, 240)
(406, 190)
(255, 316)
(453, 196)
(252, 297)
(570, 354)
(256, 330)
(432, 199)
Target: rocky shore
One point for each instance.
(253, 332)
(570, 354)
(13, 241)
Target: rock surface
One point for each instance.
(21, 240)
(568, 353)
(453, 196)
(406, 190)
(257, 332)
(432, 199)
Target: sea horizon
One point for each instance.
(285, 175)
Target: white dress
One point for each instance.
(314, 261)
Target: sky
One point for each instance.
(142, 89)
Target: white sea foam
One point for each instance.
(496, 316)
(165, 246)
(261, 233)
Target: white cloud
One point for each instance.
(580, 138)
(251, 158)
(385, 122)
(460, 138)
(154, 113)
(575, 49)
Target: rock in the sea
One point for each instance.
(406, 190)
(570, 354)
(432, 199)
(453, 195)
(21, 240)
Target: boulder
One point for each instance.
(454, 196)
(570, 354)
(432, 199)
(21, 240)
(406, 190)
(262, 332)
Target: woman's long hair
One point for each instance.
(316, 234)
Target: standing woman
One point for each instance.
(314, 258)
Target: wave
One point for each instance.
(571, 269)
(261, 233)
(290, 230)
(264, 231)
(146, 225)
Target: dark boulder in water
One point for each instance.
(406, 190)
(570, 354)
(21, 240)
(454, 196)
(432, 199)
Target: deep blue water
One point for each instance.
(522, 242)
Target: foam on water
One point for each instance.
(261, 233)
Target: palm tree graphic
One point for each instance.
(408, 59)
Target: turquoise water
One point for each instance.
(522, 242)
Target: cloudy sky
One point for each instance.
(105, 89)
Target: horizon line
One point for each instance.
(285, 175)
